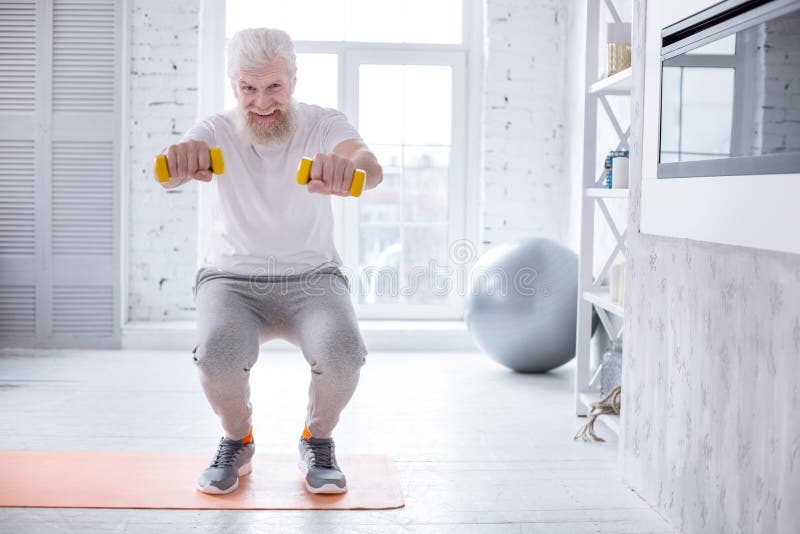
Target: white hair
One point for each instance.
(255, 48)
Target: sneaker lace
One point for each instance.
(226, 453)
(322, 455)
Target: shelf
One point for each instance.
(610, 421)
(619, 83)
(602, 299)
(604, 192)
(604, 99)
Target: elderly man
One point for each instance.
(271, 268)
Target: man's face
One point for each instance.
(265, 101)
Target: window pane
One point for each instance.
(379, 264)
(408, 104)
(409, 21)
(380, 99)
(383, 203)
(374, 20)
(707, 112)
(425, 264)
(326, 24)
(438, 22)
(405, 115)
(427, 101)
(406, 265)
(317, 79)
(241, 14)
(388, 21)
(314, 20)
(426, 172)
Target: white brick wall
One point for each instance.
(525, 192)
(163, 103)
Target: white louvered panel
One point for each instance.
(83, 55)
(86, 311)
(83, 198)
(17, 55)
(17, 203)
(17, 310)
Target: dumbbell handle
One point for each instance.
(162, 169)
(356, 186)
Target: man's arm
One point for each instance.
(363, 158)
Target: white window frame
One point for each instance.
(466, 60)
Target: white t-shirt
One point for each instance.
(263, 222)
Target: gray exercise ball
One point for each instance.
(522, 305)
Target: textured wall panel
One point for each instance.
(711, 373)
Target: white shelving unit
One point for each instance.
(616, 84)
(603, 192)
(592, 295)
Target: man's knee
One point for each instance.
(224, 350)
(339, 364)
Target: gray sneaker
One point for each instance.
(318, 464)
(233, 459)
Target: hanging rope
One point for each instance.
(610, 404)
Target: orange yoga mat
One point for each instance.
(61, 479)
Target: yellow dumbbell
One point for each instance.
(304, 176)
(217, 164)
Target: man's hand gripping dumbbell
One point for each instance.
(325, 174)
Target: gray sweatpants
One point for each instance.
(235, 314)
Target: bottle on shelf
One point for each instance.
(619, 47)
(608, 166)
(611, 372)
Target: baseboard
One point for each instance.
(410, 336)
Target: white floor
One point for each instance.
(478, 448)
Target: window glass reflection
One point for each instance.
(736, 96)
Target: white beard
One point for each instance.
(276, 134)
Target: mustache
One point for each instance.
(276, 107)
(256, 131)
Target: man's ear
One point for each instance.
(294, 85)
